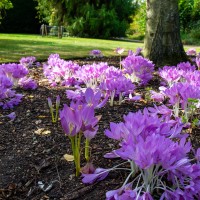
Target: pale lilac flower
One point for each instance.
(170, 74)
(191, 52)
(157, 96)
(119, 50)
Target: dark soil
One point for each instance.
(32, 148)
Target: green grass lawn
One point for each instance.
(15, 46)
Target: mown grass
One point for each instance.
(15, 46)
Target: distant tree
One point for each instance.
(162, 39)
(4, 5)
(185, 13)
(21, 19)
(91, 18)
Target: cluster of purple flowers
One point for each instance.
(14, 72)
(182, 89)
(174, 74)
(13, 75)
(98, 76)
(116, 84)
(138, 68)
(8, 97)
(92, 75)
(27, 61)
(59, 71)
(151, 141)
(158, 164)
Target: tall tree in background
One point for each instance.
(162, 39)
(4, 5)
(21, 18)
(91, 18)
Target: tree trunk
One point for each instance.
(162, 43)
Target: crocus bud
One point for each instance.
(49, 102)
(57, 101)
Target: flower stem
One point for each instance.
(87, 147)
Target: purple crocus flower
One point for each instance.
(87, 96)
(191, 52)
(96, 53)
(186, 66)
(197, 155)
(28, 83)
(125, 193)
(89, 122)
(170, 74)
(70, 120)
(119, 50)
(27, 61)
(138, 51)
(138, 68)
(157, 96)
(98, 175)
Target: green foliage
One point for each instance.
(21, 18)
(137, 27)
(189, 11)
(185, 12)
(4, 5)
(102, 19)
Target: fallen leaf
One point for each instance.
(42, 131)
(69, 157)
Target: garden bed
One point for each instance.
(32, 147)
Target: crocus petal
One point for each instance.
(98, 175)
(12, 116)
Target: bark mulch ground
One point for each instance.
(32, 148)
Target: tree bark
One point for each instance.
(162, 43)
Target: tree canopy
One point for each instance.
(4, 5)
(99, 18)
